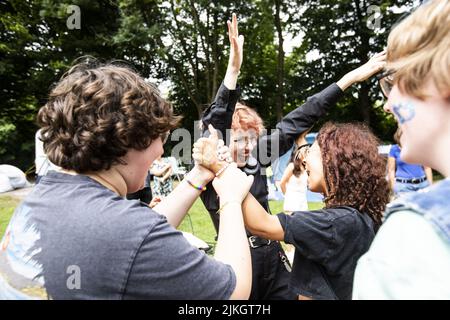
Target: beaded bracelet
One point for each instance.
(222, 169)
(227, 203)
(200, 188)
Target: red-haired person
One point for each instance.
(253, 151)
(410, 256)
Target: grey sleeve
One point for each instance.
(167, 267)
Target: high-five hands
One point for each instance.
(232, 185)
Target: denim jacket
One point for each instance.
(432, 203)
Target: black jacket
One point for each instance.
(270, 146)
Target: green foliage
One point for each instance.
(186, 44)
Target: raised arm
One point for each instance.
(286, 176)
(220, 112)
(304, 117)
(231, 185)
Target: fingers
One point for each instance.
(235, 25)
(234, 44)
(229, 30)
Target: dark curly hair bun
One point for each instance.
(97, 112)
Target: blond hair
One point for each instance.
(418, 49)
(245, 118)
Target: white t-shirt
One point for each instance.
(408, 259)
(295, 197)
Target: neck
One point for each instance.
(111, 179)
(440, 157)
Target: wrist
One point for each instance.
(346, 81)
(200, 176)
(233, 71)
(225, 202)
(218, 166)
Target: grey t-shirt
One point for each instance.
(72, 238)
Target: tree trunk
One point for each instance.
(280, 64)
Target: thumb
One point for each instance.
(213, 132)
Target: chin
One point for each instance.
(241, 164)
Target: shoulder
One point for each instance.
(432, 203)
(326, 218)
(407, 240)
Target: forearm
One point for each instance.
(233, 249)
(429, 174)
(392, 179)
(283, 187)
(230, 79)
(167, 175)
(220, 112)
(346, 81)
(259, 222)
(179, 201)
(296, 123)
(156, 172)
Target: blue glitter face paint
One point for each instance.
(404, 111)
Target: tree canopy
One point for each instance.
(185, 43)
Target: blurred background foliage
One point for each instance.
(293, 49)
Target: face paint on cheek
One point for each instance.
(404, 111)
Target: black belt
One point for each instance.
(256, 242)
(413, 180)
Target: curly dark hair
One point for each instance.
(354, 171)
(97, 112)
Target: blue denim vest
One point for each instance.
(432, 203)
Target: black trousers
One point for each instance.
(144, 195)
(269, 274)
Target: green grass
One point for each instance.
(197, 222)
(7, 206)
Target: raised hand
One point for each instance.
(236, 45)
(371, 67)
(236, 54)
(364, 72)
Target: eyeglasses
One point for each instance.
(165, 136)
(304, 148)
(386, 80)
(242, 142)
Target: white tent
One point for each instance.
(12, 178)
